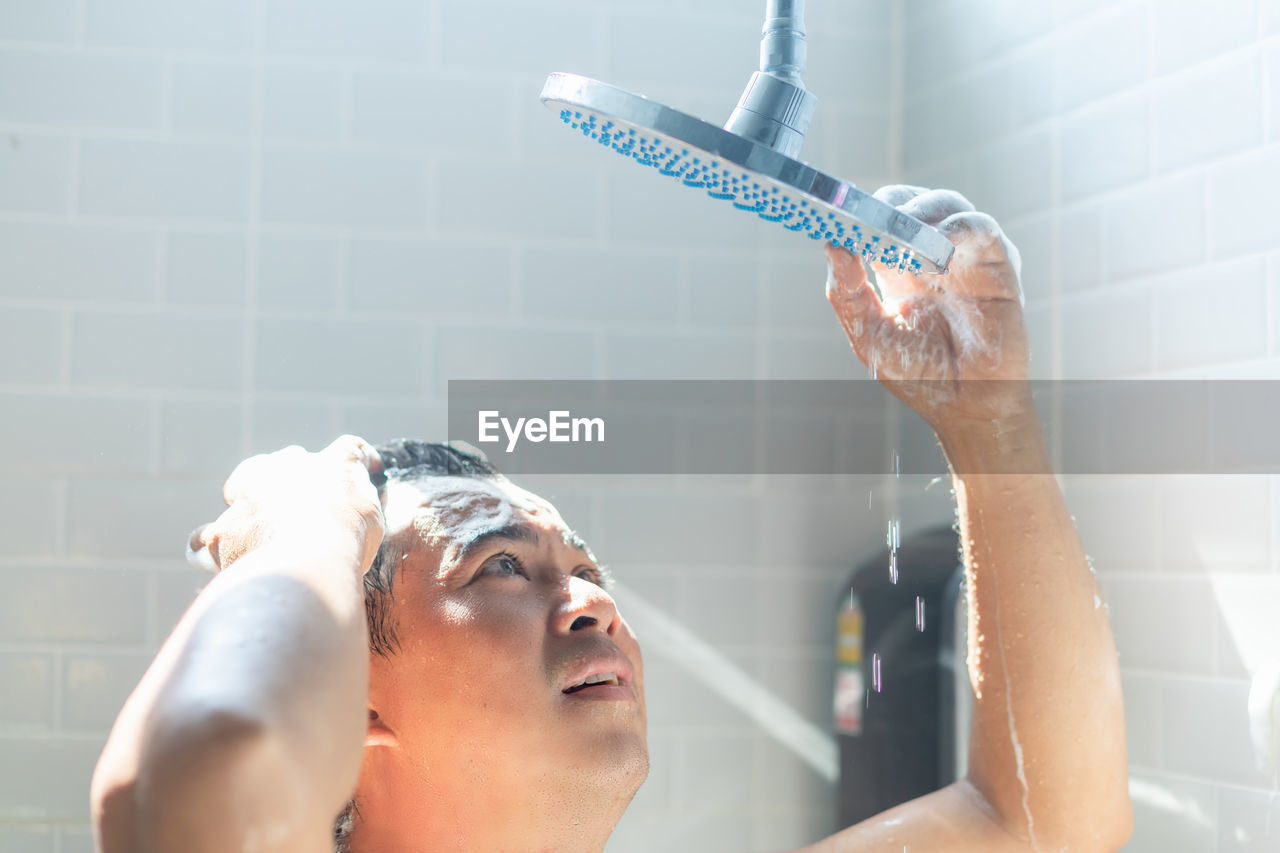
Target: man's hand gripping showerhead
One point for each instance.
(953, 347)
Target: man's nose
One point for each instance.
(585, 606)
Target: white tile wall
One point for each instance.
(1161, 126)
(229, 225)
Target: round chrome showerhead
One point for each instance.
(750, 174)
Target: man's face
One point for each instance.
(502, 616)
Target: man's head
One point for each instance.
(487, 615)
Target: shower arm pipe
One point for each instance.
(782, 44)
(775, 108)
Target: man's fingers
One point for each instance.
(982, 244)
(898, 194)
(247, 472)
(353, 448)
(934, 206)
(854, 300)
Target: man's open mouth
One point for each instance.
(610, 678)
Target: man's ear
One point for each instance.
(378, 732)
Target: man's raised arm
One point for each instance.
(246, 731)
(1047, 761)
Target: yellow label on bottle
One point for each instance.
(849, 629)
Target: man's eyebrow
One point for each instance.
(510, 532)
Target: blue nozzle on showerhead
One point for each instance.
(752, 161)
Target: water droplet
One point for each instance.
(893, 567)
(919, 613)
(875, 672)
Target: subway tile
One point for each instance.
(477, 351)
(382, 30)
(104, 518)
(31, 342)
(851, 144)
(795, 291)
(1106, 55)
(330, 186)
(173, 349)
(301, 103)
(344, 355)
(17, 838)
(1142, 703)
(721, 608)
(1218, 28)
(51, 20)
(175, 591)
(1195, 328)
(300, 272)
(201, 437)
(702, 530)
(675, 696)
(1242, 195)
(432, 277)
(1206, 730)
(383, 421)
(29, 525)
(825, 357)
(1033, 237)
(169, 180)
(1105, 147)
(726, 52)
(1163, 623)
(529, 40)
(1121, 319)
(722, 291)
(1270, 17)
(75, 605)
(431, 113)
(782, 777)
(1080, 252)
(679, 355)
(642, 206)
(1173, 815)
(1271, 84)
(206, 269)
(1040, 320)
(79, 262)
(219, 26)
(75, 839)
(1246, 820)
(1119, 522)
(803, 678)
(94, 687)
(1249, 634)
(55, 427)
(35, 173)
(600, 286)
(1158, 226)
(277, 423)
(74, 89)
(529, 200)
(1031, 80)
(27, 702)
(1014, 177)
(212, 98)
(790, 612)
(1208, 114)
(54, 780)
(715, 770)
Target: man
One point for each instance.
(496, 699)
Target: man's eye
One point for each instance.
(594, 575)
(504, 565)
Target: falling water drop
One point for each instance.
(919, 613)
(893, 567)
(875, 672)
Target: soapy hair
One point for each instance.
(405, 460)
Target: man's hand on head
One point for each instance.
(300, 500)
(931, 339)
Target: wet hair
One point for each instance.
(405, 460)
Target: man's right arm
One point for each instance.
(246, 730)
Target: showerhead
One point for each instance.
(751, 161)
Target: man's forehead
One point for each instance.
(459, 508)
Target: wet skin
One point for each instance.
(499, 610)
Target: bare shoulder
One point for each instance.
(955, 819)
